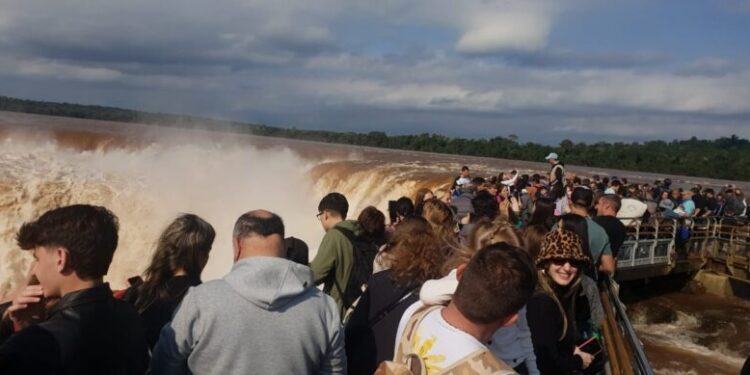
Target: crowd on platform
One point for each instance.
(497, 275)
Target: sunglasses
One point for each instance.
(561, 262)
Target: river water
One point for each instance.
(687, 331)
(148, 175)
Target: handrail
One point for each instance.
(654, 242)
(625, 333)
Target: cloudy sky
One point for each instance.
(543, 70)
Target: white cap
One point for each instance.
(551, 155)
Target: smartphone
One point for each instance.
(591, 346)
(392, 211)
(38, 310)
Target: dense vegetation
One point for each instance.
(726, 157)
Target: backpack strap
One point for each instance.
(347, 233)
(384, 312)
(405, 344)
(352, 239)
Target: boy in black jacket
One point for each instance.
(87, 331)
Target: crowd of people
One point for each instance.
(497, 275)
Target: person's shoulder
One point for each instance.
(125, 310)
(612, 221)
(380, 279)
(337, 233)
(595, 226)
(207, 292)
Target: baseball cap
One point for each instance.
(552, 155)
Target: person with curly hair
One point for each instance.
(413, 256)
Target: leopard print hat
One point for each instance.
(561, 244)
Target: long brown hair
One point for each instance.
(440, 217)
(419, 196)
(185, 245)
(414, 253)
(533, 235)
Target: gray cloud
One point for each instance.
(285, 63)
(561, 58)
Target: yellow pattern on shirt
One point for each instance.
(422, 349)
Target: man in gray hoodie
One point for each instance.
(264, 317)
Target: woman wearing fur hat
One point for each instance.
(551, 310)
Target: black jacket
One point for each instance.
(159, 313)
(371, 330)
(87, 332)
(553, 356)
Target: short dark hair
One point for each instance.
(464, 168)
(335, 202)
(476, 181)
(497, 282)
(252, 224)
(89, 233)
(484, 205)
(582, 197)
(404, 207)
(613, 200)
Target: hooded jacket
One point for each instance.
(264, 317)
(333, 262)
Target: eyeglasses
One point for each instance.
(317, 216)
(561, 262)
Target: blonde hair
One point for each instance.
(440, 193)
(419, 196)
(440, 217)
(485, 232)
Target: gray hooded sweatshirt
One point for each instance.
(264, 317)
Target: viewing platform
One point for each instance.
(716, 245)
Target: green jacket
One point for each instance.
(334, 261)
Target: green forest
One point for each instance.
(725, 157)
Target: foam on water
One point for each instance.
(687, 336)
(146, 188)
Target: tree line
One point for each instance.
(725, 157)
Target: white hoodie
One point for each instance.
(512, 344)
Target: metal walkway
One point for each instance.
(656, 248)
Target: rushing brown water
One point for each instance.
(147, 175)
(687, 331)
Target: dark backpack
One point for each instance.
(363, 256)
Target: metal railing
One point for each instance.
(626, 354)
(655, 242)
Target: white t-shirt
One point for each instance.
(463, 181)
(438, 343)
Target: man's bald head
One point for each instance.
(258, 233)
